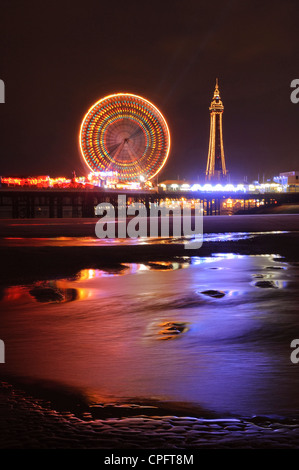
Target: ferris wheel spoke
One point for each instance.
(131, 154)
(136, 133)
(114, 147)
(136, 159)
(119, 149)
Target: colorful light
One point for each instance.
(220, 188)
(126, 134)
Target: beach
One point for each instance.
(67, 245)
(42, 415)
(28, 423)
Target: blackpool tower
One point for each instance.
(216, 169)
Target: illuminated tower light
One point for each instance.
(216, 169)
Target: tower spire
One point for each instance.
(216, 169)
(216, 91)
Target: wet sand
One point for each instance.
(28, 422)
(271, 234)
(27, 264)
(86, 227)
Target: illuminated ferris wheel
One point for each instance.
(125, 134)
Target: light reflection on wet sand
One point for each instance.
(101, 332)
(93, 241)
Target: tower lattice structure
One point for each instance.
(216, 168)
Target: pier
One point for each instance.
(31, 203)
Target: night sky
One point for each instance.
(58, 58)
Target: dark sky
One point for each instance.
(58, 57)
